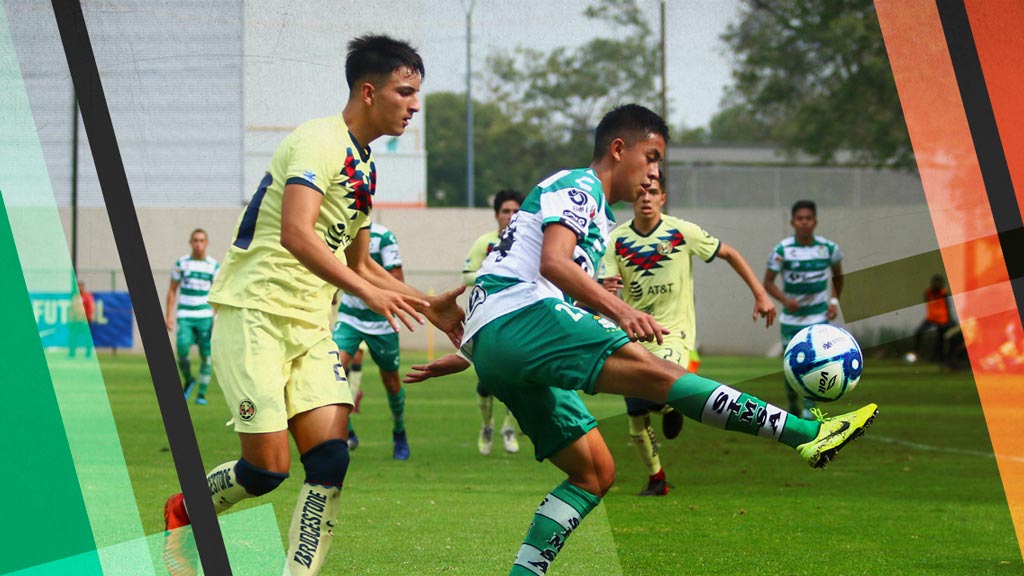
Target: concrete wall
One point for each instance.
(434, 244)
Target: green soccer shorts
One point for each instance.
(194, 331)
(536, 358)
(383, 347)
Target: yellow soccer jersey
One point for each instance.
(481, 248)
(657, 277)
(258, 272)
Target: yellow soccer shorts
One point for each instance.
(271, 368)
(673, 348)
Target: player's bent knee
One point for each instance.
(327, 463)
(257, 481)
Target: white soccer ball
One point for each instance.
(822, 362)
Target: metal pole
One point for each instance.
(469, 105)
(74, 181)
(664, 103)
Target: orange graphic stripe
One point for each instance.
(959, 203)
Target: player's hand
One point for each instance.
(445, 313)
(612, 284)
(792, 305)
(765, 308)
(443, 366)
(640, 326)
(170, 324)
(833, 311)
(396, 308)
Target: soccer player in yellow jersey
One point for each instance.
(649, 261)
(304, 235)
(506, 204)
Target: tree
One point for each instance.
(565, 93)
(813, 75)
(507, 154)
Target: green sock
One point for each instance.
(718, 405)
(397, 404)
(205, 370)
(556, 518)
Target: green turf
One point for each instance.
(919, 494)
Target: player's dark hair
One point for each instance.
(631, 122)
(801, 204)
(374, 56)
(198, 231)
(504, 196)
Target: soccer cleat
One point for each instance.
(835, 433)
(353, 441)
(401, 446)
(656, 485)
(175, 515)
(672, 424)
(483, 443)
(508, 436)
(189, 386)
(202, 401)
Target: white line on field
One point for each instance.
(930, 448)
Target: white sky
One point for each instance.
(698, 65)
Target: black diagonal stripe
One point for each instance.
(987, 145)
(139, 276)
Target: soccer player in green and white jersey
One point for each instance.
(301, 238)
(357, 323)
(649, 262)
(190, 313)
(534, 349)
(807, 262)
(506, 204)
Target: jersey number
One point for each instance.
(576, 316)
(248, 226)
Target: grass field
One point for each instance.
(919, 494)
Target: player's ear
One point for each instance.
(616, 148)
(366, 92)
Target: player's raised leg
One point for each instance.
(632, 371)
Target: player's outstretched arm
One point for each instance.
(557, 265)
(441, 310)
(300, 208)
(763, 305)
(443, 366)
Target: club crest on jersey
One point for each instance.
(246, 410)
(648, 258)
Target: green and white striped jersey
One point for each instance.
(194, 278)
(352, 310)
(805, 271)
(510, 277)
